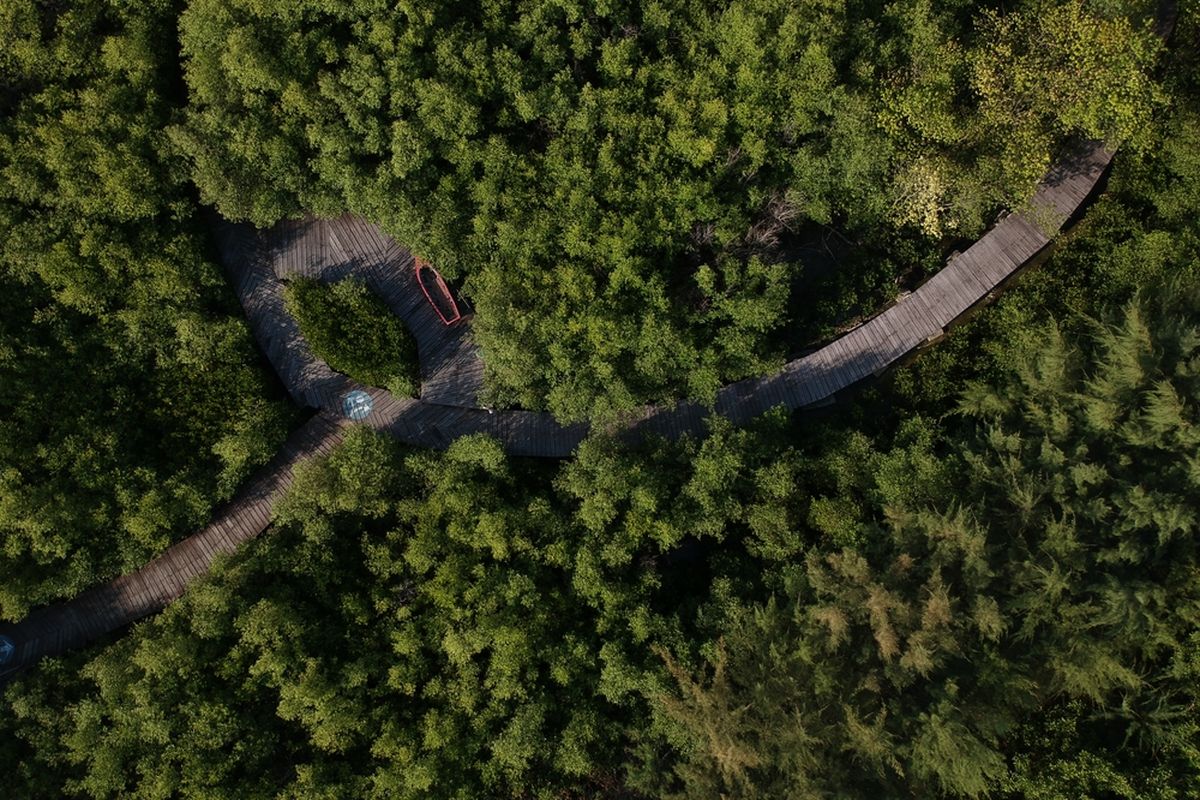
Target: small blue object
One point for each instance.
(357, 405)
(7, 648)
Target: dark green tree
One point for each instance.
(130, 400)
(356, 333)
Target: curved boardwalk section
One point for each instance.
(922, 316)
(259, 264)
(260, 261)
(64, 626)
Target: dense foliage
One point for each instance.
(128, 399)
(661, 188)
(1005, 604)
(355, 332)
(1053, 559)
(1142, 230)
(979, 579)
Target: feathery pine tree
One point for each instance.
(1060, 565)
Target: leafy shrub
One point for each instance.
(355, 333)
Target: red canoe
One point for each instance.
(437, 293)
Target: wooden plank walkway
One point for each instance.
(328, 250)
(64, 626)
(259, 261)
(452, 371)
(452, 374)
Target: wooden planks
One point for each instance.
(964, 282)
(451, 369)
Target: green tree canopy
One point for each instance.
(355, 333)
(1060, 562)
(624, 188)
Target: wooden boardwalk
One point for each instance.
(55, 629)
(451, 371)
(260, 261)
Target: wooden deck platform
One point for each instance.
(328, 250)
